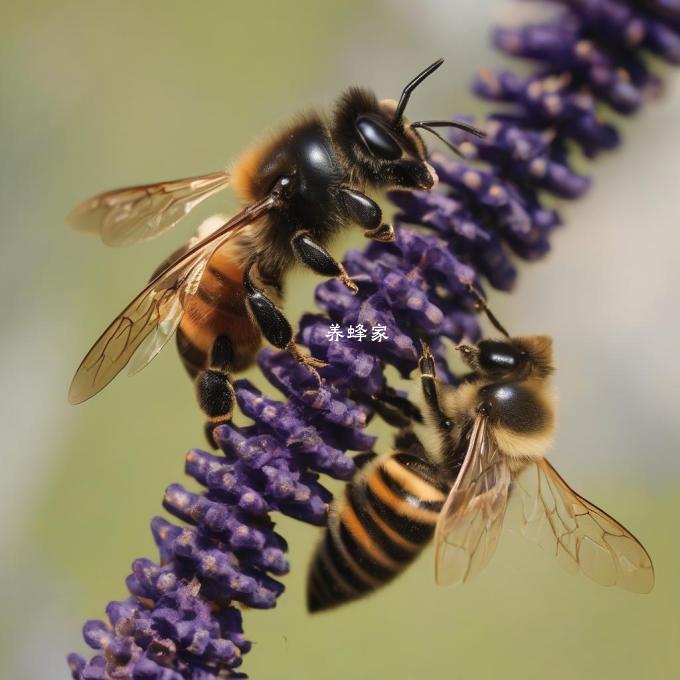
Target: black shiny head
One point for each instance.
(380, 147)
(375, 151)
(500, 356)
(511, 359)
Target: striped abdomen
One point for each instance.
(386, 517)
(218, 309)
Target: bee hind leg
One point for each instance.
(215, 392)
(274, 325)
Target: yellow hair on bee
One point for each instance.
(536, 444)
(517, 445)
(246, 169)
(539, 349)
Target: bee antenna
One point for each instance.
(406, 92)
(481, 303)
(432, 131)
(466, 127)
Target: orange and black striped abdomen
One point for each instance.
(386, 517)
(218, 309)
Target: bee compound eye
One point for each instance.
(377, 139)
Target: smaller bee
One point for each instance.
(494, 432)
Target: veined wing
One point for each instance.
(579, 534)
(471, 520)
(140, 213)
(150, 320)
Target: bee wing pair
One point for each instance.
(137, 214)
(578, 533)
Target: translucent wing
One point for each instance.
(165, 327)
(470, 522)
(150, 320)
(136, 214)
(579, 534)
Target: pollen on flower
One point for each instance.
(538, 167)
(468, 150)
(553, 104)
(472, 179)
(209, 563)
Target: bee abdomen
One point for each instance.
(387, 516)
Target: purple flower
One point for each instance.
(182, 619)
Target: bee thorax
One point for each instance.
(521, 416)
(515, 406)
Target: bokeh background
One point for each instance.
(98, 94)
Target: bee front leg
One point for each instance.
(313, 255)
(273, 324)
(366, 213)
(429, 385)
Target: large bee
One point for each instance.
(494, 432)
(222, 291)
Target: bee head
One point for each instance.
(511, 358)
(380, 146)
(377, 152)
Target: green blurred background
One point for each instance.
(97, 95)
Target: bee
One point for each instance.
(494, 431)
(221, 292)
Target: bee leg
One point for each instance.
(362, 459)
(366, 213)
(310, 362)
(274, 325)
(394, 409)
(428, 382)
(216, 395)
(406, 440)
(313, 255)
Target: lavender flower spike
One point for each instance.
(182, 618)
